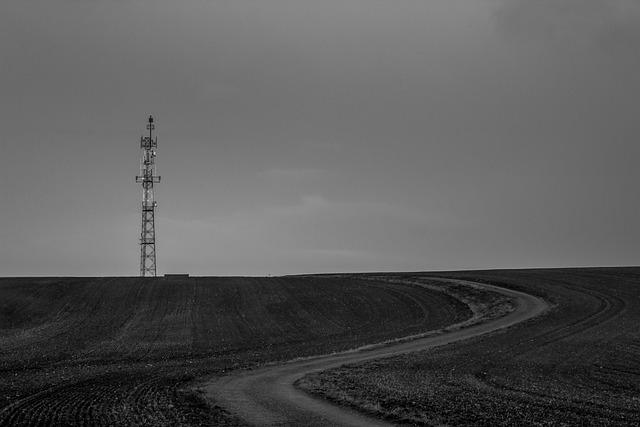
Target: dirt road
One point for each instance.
(267, 396)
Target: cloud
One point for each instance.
(296, 174)
(313, 233)
(611, 24)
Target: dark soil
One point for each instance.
(129, 351)
(579, 364)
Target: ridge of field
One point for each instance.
(122, 351)
(579, 364)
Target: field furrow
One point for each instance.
(126, 351)
(576, 365)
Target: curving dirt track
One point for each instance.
(267, 396)
(125, 351)
(579, 364)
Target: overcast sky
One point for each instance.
(314, 136)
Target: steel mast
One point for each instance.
(147, 178)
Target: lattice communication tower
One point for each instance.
(147, 178)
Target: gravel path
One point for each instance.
(267, 396)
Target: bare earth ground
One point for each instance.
(126, 351)
(267, 396)
(579, 364)
(129, 352)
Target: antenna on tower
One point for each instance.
(147, 178)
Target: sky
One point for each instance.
(300, 136)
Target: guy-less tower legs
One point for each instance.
(147, 177)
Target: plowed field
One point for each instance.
(123, 351)
(578, 364)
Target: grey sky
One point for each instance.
(307, 136)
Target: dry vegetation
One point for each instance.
(126, 351)
(577, 365)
